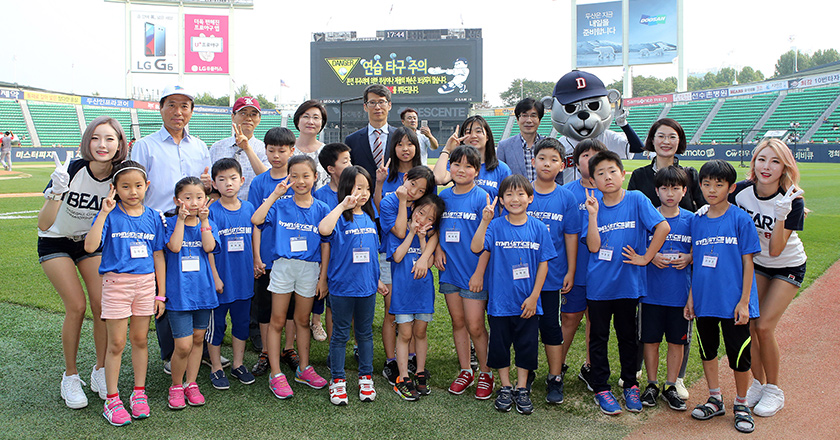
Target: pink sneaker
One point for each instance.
(194, 396)
(115, 412)
(310, 377)
(280, 387)
(176, 397)
(484, 388)
(139, 404)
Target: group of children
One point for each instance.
(527, 253)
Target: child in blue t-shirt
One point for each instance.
(279, 147)
(556, 207)
(353, 278)
(394, 212)
(404, 148)
(297, 253)
(190, 289)
(460, 280)
(413, 294)
(668, 284)
(519, 247)
(131, 236)
(232, 272)
(574, 302)
(723, 294)
(617, 226)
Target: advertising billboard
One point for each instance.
(599, 34)
(206, 44)
(445, 70)
(652, 31)
(154, 41)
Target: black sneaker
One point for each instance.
(504, 399)
(290, 357)
(522, 398)
(391, 372)
(532, 376)
(554, 390)
(649, 396)
(412, 365)
(671, 396)
(225, 361)
(219, 380)
(405, 389)
(422, 384)
(473, 359)
(585, 376)
(261, 367)
(244, 376)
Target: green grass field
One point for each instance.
(32, 363)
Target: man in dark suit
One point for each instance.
(369, 145)
(518, 151)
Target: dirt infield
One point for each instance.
(809, 341)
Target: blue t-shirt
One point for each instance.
(516, 252)
(235, 260)
(328, 196)
(628, 222)
(409, 296)
(354, 240)
(489, 181)
(457, 228)
(296, 229)
(128, 242)
(669, 286)
(388, 209)
(262, 187)
(559, 212)
(389, 187)
(721, 242)
(579, 193)
(191, 289)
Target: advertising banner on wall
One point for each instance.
(751, 89)
(154, 41)
(206, 44)
(599, 34)
(648, 100)
(652, 30)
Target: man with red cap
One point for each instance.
(243, 146)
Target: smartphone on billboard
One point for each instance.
(160, 41)
(150, 39)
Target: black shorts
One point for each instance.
(550, 331)
(736, 339)
(522, 333)
(793, 275)
(49, 248)
(663, 320)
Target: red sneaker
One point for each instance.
(484, 388)
(462, 382)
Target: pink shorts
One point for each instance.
(127, 294)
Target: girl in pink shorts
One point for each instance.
(131, 239)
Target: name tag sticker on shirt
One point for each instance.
(190, 264)
(298, 244)
(361, 255)
(605, 254)
(139, 250)
(453, 236)
(236, 245)
(710, 261)
(520, 272)
(671, 256)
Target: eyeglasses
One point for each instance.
(372, 104)
(312, 118)
(662, 137)
(529, 116)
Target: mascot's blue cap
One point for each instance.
(578, 85)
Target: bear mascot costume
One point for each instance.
(581, 109)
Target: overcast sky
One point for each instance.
(79, 45)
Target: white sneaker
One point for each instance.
(338, 392)
(772, 400)
(97, 382)
(72, 392)
(366, 391)
(621, 381)
(682, 391)
(754, 393)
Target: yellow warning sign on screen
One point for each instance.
(342, 66)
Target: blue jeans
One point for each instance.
(345, 312)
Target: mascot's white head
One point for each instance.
(580, 105)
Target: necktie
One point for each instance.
(378, 155)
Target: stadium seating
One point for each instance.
(830, 129)
(268, 122)
(737, 116)
(11, 119)
(691, 115)
(802, 106)
(640, 118)
(123, 116)
(55, 123)
(210, 127)
(149, 120)
(497, 126)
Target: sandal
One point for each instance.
(743, 419)
(713, 407)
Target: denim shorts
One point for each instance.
(183, 323)
(794, 275)
(410, 317)
(50, 247)
(446, 289)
